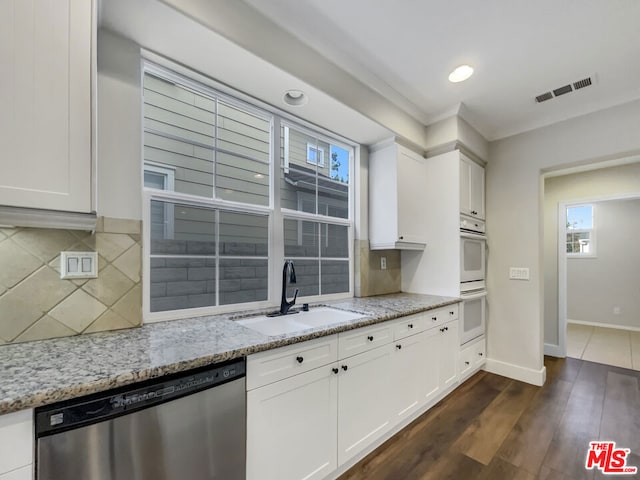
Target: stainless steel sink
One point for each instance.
(314, 318)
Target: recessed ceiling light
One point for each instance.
(295, 98)
(460, 74)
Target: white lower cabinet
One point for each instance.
(291, 427)
(472, 357)
(16, 445)
(24, 473)
(364, 400)
(408, 381)
(448, 355)
(309, 424)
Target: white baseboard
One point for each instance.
(523, 374)
(605, 325)
(553, 350)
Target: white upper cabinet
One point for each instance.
(471, 188)
(397, 179)
(45, 94)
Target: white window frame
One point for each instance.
(169, 174)
(591, 231)
(173, 72)
(319, 153)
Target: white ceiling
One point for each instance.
(404, 49)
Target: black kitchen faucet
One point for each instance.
(288, 269)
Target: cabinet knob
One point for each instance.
(345, 368)
(442, 329)
(401, 237)
(399, 347)
(452, 313)
(300, 359)
(446, 328)
(481, 354)
(466, 363)
(335, 370)
(410, 325)
(434, 318)
(370, 338)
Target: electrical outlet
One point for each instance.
(518, 273)
(383, 263)
(617, 311)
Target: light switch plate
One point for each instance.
(518, 273)
(78, 265)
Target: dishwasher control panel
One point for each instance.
(90, 409)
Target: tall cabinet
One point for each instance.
(45, 93)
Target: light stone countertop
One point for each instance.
(39, 373)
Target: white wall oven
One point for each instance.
(473, 315)
(472, 261)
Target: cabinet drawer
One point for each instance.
(480, 353)
(273, 365)
(441, 315)
(363, 339)
(467, 360)
(410, 325)
(16, 440)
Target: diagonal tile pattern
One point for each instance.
(36, 304)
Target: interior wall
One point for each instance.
(515, 221)
(618, 180)
(119, 127)
(606, 289)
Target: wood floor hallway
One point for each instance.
(494, 428)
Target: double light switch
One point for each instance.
(78, 264)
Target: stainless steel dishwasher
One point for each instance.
(181, 427)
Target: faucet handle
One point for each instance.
(295, 295)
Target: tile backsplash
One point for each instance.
(372, 279)
(36, 304)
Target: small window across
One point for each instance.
(580, 231)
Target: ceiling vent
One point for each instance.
(571, 87)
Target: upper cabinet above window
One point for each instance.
(471, 188)
(45, 93)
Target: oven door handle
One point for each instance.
(473, 236)
(473, 296)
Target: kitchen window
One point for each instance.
(221, 216)
(580, 231)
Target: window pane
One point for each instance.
(301, 238)
(334, 241)
(578, 242)
(244, 234)
(187, 230)
(179, 283)
(199, 137)
(580, 218)
(307, 278)
(242, 180)
(243, 133)
(314, 172)
(335, 276)
(243, 280)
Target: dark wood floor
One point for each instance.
(494, 428)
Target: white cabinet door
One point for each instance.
(471, 188)
(449, 354)
(45, 93)
(16, 440)
(412, 179)
(24, 473)
(397, 196)
(292, 427)
(477, 190)
(364, 401)
(430, 373)
(408, 366)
